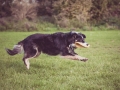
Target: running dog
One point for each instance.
(52, 44)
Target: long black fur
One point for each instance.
(51, 44)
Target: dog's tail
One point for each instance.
(16, 49)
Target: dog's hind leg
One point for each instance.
(26, 62)
(30, 53)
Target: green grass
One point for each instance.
(100, 72)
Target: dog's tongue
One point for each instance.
(79, 44)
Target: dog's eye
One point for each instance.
(83, 41)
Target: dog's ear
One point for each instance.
(74, 34)
(83, 35)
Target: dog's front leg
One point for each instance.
(81, 58)
(76, 57)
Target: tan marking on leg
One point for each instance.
(76, 57)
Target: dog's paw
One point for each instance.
(81, 58)
(84, 59)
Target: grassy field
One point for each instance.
(100, 72)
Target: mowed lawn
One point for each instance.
(100, 72)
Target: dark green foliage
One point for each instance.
(106, 12)
(62, 13)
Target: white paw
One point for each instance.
(81, 58)
(28, 66)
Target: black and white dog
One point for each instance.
(52, 44)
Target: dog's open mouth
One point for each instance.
(80, 44)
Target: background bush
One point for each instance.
(25, 15)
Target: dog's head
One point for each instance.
(77, 39)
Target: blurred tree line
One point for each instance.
(63, 13)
